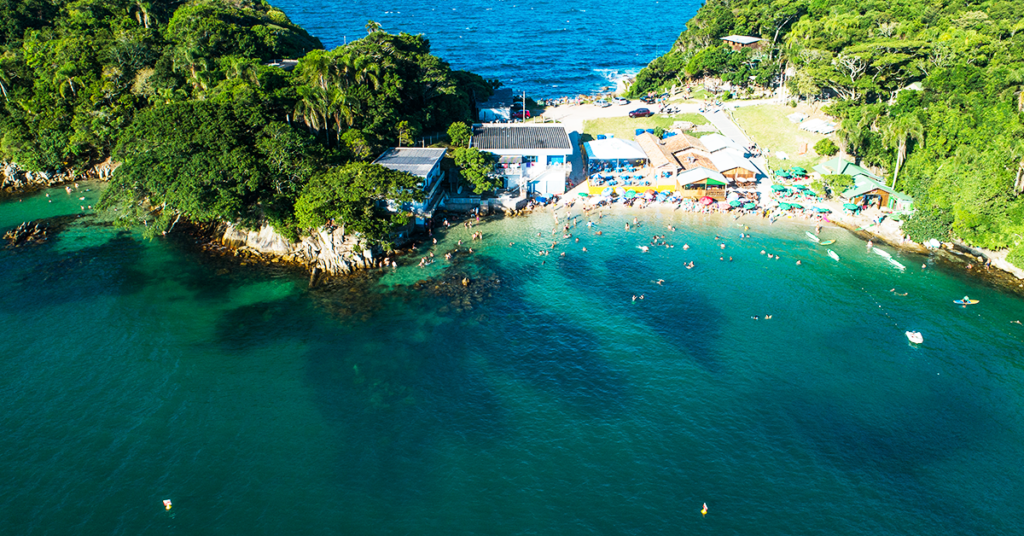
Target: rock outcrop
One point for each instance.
(329, 250)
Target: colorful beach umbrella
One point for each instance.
(778, 187)
(630, 194)
(735, 203)
(584, 194)
(749, 206)
(706, 200)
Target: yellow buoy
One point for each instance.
(703, 511)
(167, 504)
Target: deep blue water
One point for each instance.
(540, 400)
(548, 48)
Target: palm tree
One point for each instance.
(316, 68)
(355, 69)
(372, 27)
(342, 106)
(896, 132)
(313, 108)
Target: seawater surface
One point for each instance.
(540, 399)
(547, 48)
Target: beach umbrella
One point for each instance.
(749, 206)
(607, 191)
(784, 174)
(706, 200)
(778, 187)
(651, 191)
(630, 194)
(735, 203)
(784, 206)
(584, 194)
(620, 190)
(851, 206)
(800, 170)
(795, 205)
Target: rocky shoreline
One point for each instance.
(14, 180)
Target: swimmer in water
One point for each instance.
(798, 263)
(686, 246)
(762, 252)
(584, 250)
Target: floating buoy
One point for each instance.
(703, 512)
(167, 504)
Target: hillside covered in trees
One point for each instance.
(182, 94)
(954, 140)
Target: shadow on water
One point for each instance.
(914, 438)
(686, 321)
(106, 269)
(397, 387)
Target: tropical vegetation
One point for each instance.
(931, 92)
(186, 95)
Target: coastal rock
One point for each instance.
(25, 233)
(328, 249)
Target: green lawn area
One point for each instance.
(625, 127)
(767, 126)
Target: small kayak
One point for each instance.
(812, 236)
(881, 253)
(833, 255)
(915, 337)
(828, 242)
(967, 302)
(896, 264)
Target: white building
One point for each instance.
(531, 157)
(423, 163)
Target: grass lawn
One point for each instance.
(625, 127)
(767, 126)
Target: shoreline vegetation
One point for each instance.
(207, 122)
(211, 131)
(934, 94)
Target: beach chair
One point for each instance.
(601, 137)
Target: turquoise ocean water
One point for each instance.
(540, 401)
(548, 48)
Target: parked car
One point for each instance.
(620, 101)
(518, 114)
(603, 104)
(641, 112)
(647, 100)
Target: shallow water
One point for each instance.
(540, 399)
(547, 48)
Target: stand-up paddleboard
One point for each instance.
(881, 253)
(812, 236)
(833, 254)
(915, 337)
(963, 302)
(828, 242)
(896, 264)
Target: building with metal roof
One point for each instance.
(738, 42)
(424, 163)
(532, 157)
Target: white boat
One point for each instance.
(833, 254)
(881, 253)
(915, 337)
(812, 236)
(896, 264)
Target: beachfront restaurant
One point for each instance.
(614, 154)
(699, 182)
(532, 158)
(867, 192)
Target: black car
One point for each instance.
(647, 100)
(641, 112)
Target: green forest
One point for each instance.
(183, 95)
(931, 91)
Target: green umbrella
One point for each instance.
(800, 170)
(630, 194)
(850, 206)
(778, 187)
(799, 186)
(584, 194)
(749, 206)
(784, 206)
(735, 203)
(795, 205)
(783, 174)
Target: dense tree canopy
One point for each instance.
(183, 94)
(933, 92)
